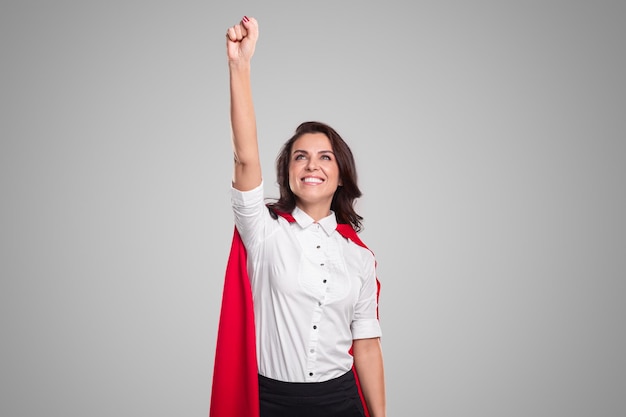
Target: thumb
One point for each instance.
(252, 27)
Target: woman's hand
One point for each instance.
(241, 41)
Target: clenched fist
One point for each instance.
(241, 40)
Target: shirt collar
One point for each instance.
(328, 223)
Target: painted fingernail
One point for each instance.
(245, 19)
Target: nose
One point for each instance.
(311, 165)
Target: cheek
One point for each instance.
(333, 171)
(292, 175)
(292, 172)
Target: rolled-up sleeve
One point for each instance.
(365, 324)
(249, 210)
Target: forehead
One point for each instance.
(312, 142)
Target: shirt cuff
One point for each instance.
(246, 198)
(365, 329)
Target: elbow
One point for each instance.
(243, 159)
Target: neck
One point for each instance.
(316, 212)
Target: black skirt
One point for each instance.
(338, 397)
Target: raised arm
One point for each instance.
(240, 44)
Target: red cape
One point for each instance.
(235, 389)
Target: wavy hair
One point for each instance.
(345, 195)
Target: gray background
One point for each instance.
(490, 138)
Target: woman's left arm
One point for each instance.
(368, 361)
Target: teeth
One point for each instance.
(314, 180)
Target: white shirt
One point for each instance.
(314, 291)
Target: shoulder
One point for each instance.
(354, 247)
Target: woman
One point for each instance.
(299, 333)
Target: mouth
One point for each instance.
(312, 180)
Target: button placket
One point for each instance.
(316, 318)
(322, 258)
(319, 256)
(313, 340)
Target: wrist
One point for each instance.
(239, 66)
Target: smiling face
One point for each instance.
(313, 174)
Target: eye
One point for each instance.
(299, 157)
(327, 157)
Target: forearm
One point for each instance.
(247, 173)
(242, 115)
(368, 361)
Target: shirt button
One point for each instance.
(318, 246)
(310, 373)
(325, 281)
(321, 264)
(312, 350)
(314, 327)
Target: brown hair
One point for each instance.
(345, 195)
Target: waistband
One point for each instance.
(344, 383)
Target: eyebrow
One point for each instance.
(306, 152)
